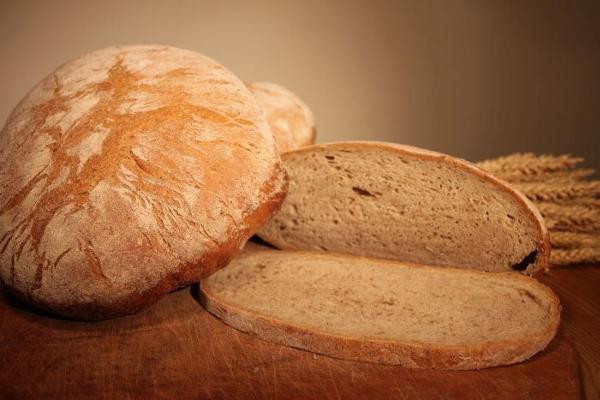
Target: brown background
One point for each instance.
(470, 78)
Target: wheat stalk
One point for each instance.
(575, 256)
(570, 217)
(516, 176)
(574, 175)
(552, 191)
(529, 164)
(569, 204)
(587, 202)
(569, 240)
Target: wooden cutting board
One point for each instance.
(176, 350)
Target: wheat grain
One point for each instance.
(589, 255)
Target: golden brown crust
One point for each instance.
(290, 119)
(127, 173)
(543, 245)
(408, 354)
(185, 275)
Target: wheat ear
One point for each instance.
(516, 176)
(529, 163)
(552, 191)
(575, 256)
(570, 217)
(569, 240)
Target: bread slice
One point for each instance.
(398, 202)
(384, 311)
(291, 121)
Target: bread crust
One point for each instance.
(290, 119)
(376, 350)
(127, 173)
(185, 274)
(543, 245)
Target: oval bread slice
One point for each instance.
(398, 202)
(384, 311)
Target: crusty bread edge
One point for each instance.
(543, 257)
(214, 259)
(313, 137)
(376, 350)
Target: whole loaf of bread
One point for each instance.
(127, 173)
(291, 121)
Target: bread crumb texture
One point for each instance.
(384, 311)
(398, 202)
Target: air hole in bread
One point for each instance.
(362, 192)
(529, 259)
(330, 157)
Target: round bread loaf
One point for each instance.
(290, 119)
(127, 173)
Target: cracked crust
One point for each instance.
(291, 121)
(127, 173)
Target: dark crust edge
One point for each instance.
(189, 273)
(379, 351)
(543, 245)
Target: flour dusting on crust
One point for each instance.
(122, 167)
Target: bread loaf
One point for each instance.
(129, 172)
(398, 202)
(384, 311)
(291, 121)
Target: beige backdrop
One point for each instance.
(470, 78)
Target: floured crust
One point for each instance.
(407, 354)
(127, 173)
(291, 121)
(543, 243)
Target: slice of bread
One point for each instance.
(291, 121)
(384, 311)
(398, 202)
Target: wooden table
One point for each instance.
(579, 291)
(175, 350)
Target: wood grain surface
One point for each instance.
(578, 288)
(175, 349)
